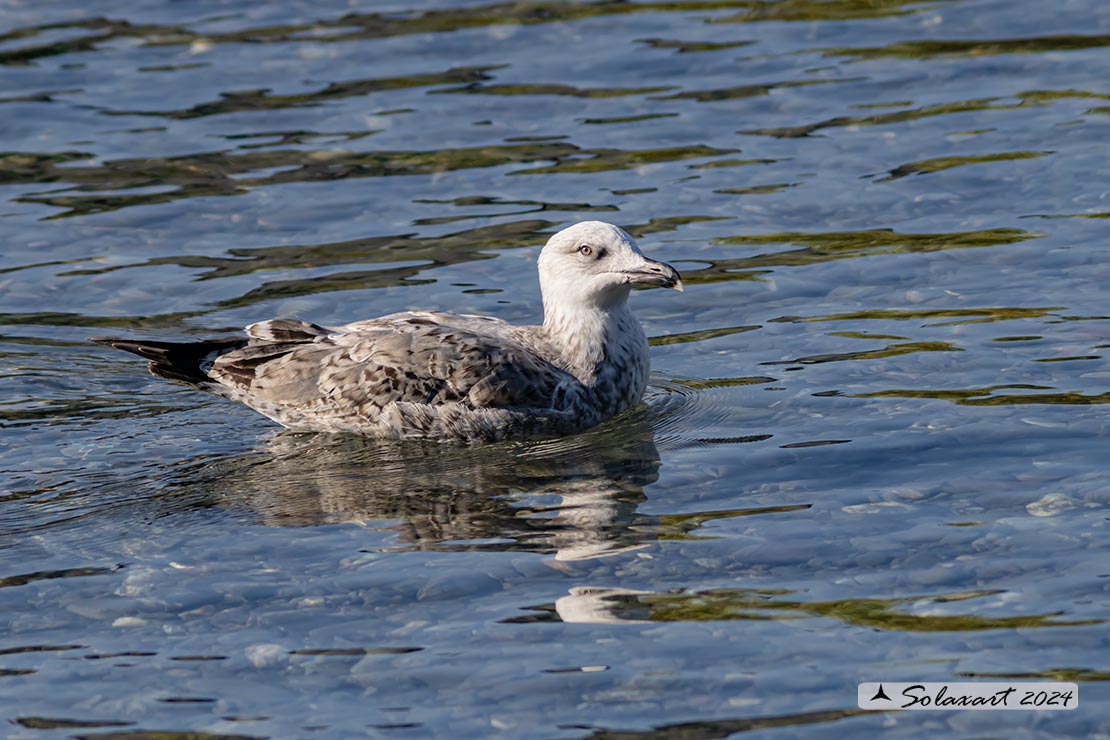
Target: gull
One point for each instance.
(442, 376)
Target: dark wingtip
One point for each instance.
(127, 345)
(173, 360)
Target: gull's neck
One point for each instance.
(594, 343)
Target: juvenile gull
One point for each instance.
(445, 376)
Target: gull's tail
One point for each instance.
(176, 360)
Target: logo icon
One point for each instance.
(880, 694)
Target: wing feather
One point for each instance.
(361, 369)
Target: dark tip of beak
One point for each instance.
(657, 273)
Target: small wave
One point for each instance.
(681, 409)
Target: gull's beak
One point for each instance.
(652, 272)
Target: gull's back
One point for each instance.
(409, 375)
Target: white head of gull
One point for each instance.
(443, 376)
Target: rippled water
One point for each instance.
(874, 447)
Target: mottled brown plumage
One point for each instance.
(452, 377)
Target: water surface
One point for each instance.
(874, 445)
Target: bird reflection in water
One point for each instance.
(573, 497)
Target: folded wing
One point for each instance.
(300, 373)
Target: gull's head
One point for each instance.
(596, 263)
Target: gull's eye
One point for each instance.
(585, 250)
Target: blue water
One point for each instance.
(874, 447)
